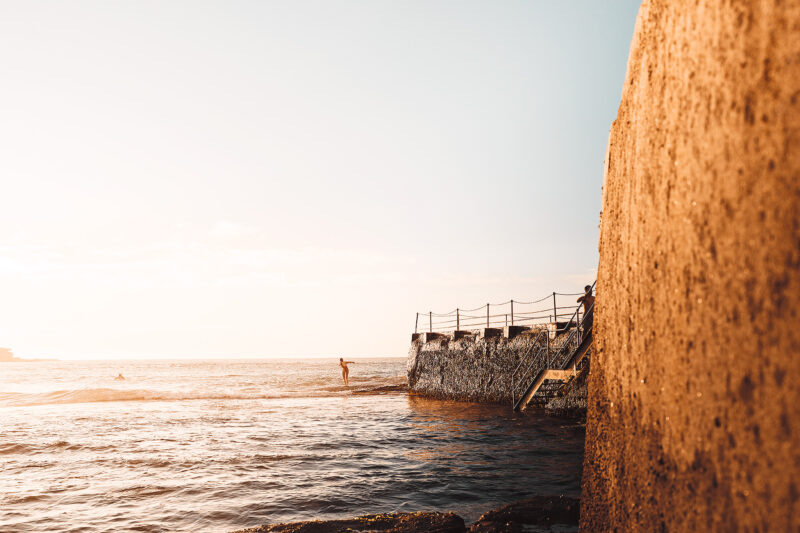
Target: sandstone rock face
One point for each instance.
(694, 390)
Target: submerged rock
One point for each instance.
(539, 513)
(383, 390)
(432, 522)
(542, 511)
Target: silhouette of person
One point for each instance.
(588, 307)
(345, 371)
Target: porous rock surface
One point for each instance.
(468, 369)
(694, 390)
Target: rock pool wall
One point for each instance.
(694, 391)
(476, 369)
(468, 369)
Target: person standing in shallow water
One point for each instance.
(588, 307)
(345, 371)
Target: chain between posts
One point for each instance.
(508, 313)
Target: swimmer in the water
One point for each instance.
(345, 371)
(119, 377)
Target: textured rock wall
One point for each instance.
(489, 370)
(694, 394)
(468, 369)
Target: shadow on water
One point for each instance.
(485, 455)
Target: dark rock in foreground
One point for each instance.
(393, 523)
(542, 511)
(539, 513)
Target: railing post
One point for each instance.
(549, 353)
(416, 323)
(430, 321)
(555, 311)
(487, 315)
(512, 312)
(458, 320)
(506, 319)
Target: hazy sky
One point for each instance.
(263, 179)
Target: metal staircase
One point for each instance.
(535, 359)
(558, 367)
(548, 382)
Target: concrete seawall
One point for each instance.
(694, 410)
(471, 368)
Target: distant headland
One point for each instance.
(7, 356)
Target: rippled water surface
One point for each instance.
(216, 446)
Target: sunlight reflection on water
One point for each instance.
(201, 454)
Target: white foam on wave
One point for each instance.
(18, 399)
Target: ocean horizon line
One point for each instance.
(41, 359)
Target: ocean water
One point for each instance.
(222, 445)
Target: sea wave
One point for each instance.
(19, 399)
(27, 448)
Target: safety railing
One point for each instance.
(510, 313)
(537, 355)
(560, 355)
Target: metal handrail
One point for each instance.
(545, 335)
(562, 366)
(441, 322)
(572, 335)
(539, 359)
(471, 321)
(535, 342)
